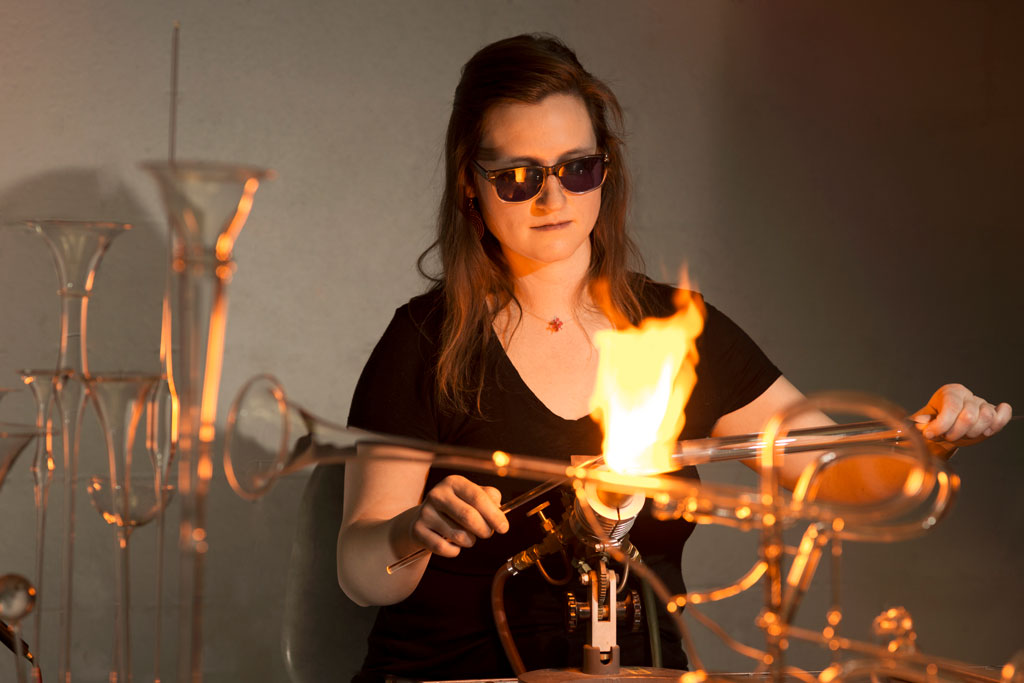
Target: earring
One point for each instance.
(475, 219)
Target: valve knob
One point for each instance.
(539, 510)
(546, 523)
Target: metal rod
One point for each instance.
(173, 123)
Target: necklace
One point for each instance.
(553, 325)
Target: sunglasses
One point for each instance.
(523, 183)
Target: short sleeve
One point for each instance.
(395, 392)
(733, 365)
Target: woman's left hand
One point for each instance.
(955, 417)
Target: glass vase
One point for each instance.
(207, 205)
(77, 248)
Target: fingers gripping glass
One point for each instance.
(523, 183)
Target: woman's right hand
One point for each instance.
(454, 514)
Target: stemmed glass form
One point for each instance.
(42, 382)
(207, 206)
(161, 443)
(163, 414)
(77, 248)
(121, 402)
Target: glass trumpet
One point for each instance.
(270, 436)
(77, 248)
(42, 383)
(207, 205)
(121, 402)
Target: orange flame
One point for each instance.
(645, 376)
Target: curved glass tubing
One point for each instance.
(269, 436)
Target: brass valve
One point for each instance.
(545, 522)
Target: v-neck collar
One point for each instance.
(525, 388)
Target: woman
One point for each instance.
(499, 354)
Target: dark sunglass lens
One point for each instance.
(519, 184)
(583, 175)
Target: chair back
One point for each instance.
(324, 633)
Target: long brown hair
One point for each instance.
(475, 277)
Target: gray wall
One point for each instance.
(842, 178)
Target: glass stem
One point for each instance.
(73, 316)
(203, 303)
(19, 666)
(42, 477)
(68, 396)
(122, 573)
(158, 637)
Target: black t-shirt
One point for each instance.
(445, 629)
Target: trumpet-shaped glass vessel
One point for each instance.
(42, 382)
(207, 206)
(77, 248)
(121, 402)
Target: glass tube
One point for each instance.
(207, 205)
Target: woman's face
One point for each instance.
(555, 225)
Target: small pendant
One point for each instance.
(555, 325)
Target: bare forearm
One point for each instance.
(366, 548)
(863, 479)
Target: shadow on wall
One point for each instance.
(244, 633)
(123, 334)
(124, 311)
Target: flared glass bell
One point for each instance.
(77, 248)
(207, 203)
